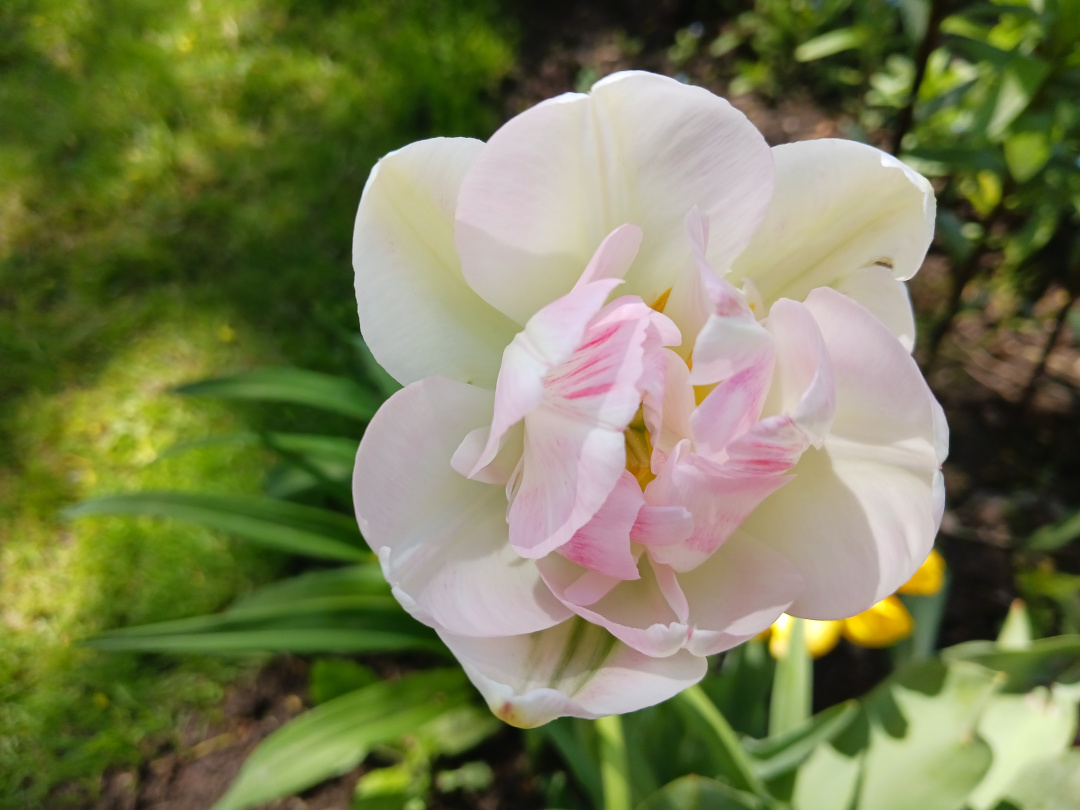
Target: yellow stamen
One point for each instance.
(639, 450)
(661, 300)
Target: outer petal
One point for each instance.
(641, 148)
(861, 513)
(417, 313)
(441, 538)
(574, 669)
(839, 207)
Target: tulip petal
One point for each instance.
(418, 315)
(438, 534)
(860, 514)
(839, 207)
(572, 670)
(641, 148)
(574, 445)
(886, 298)
(718, 502)
(737, 593)
(637, 612)
(603, 544)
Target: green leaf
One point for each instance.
(286, 526)
(614, 766)
(1020, 81)
(331, 678)
(698, 793)
(1050, 784)
(1055, 536)
(730, 758)
(1016, 630)
(294, 385)
(1021, 730)
(335, 737)
(777, 754)
(829, 779)
(792, 691)
(1026, 153)
(842, 39)
(346, 610)
(923, 748)
(564, 735)
(1047, 660)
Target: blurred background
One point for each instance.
(177, 188)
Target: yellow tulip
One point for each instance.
(882, 625)
(928, 579)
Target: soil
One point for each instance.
(1012, 466)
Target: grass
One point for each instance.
(177, 189)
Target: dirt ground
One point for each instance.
(1012, 464)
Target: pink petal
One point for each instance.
(662, 525)
(731, 408)
(719, 503)
(603, 544)
(441, 538)
(574, 670)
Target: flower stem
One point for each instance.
(614, 766)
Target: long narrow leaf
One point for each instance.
(336, 736)
(298, 386)
(776, 755)
(287, 526)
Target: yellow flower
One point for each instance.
(928, 579)
(882, 625)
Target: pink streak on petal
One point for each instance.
(603, 544)
(718, 502)
(731, 408)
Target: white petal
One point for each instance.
(636, 612)
(861, 514)
(641, 148)
(574, 669)
(838, 208)
(442, 539)
(886, 298)
(417, 314)
(737, 593)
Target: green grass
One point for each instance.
(177, 188)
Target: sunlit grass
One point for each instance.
(177, 189)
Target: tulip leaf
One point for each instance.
(792, 690)
(1046, 661)
(1026, 153)
(1021, 730)
(780, 753)
(336, 736)
(698, 793)
(728, 755)
(1050, 784)
(341, 610)
(829, 779)
(287, 526)
(923, 750)
(293, 385)
(566, 734)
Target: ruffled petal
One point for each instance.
(860, 514)
(737, 593)
(441, 538)
(572, 670)
(574, 445)
(718, 502)
(603, 544)
(637, 612)
(839, 207)
(417, 314)
(640, 148)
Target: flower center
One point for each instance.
(639, 449)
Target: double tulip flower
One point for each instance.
(658, 390)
